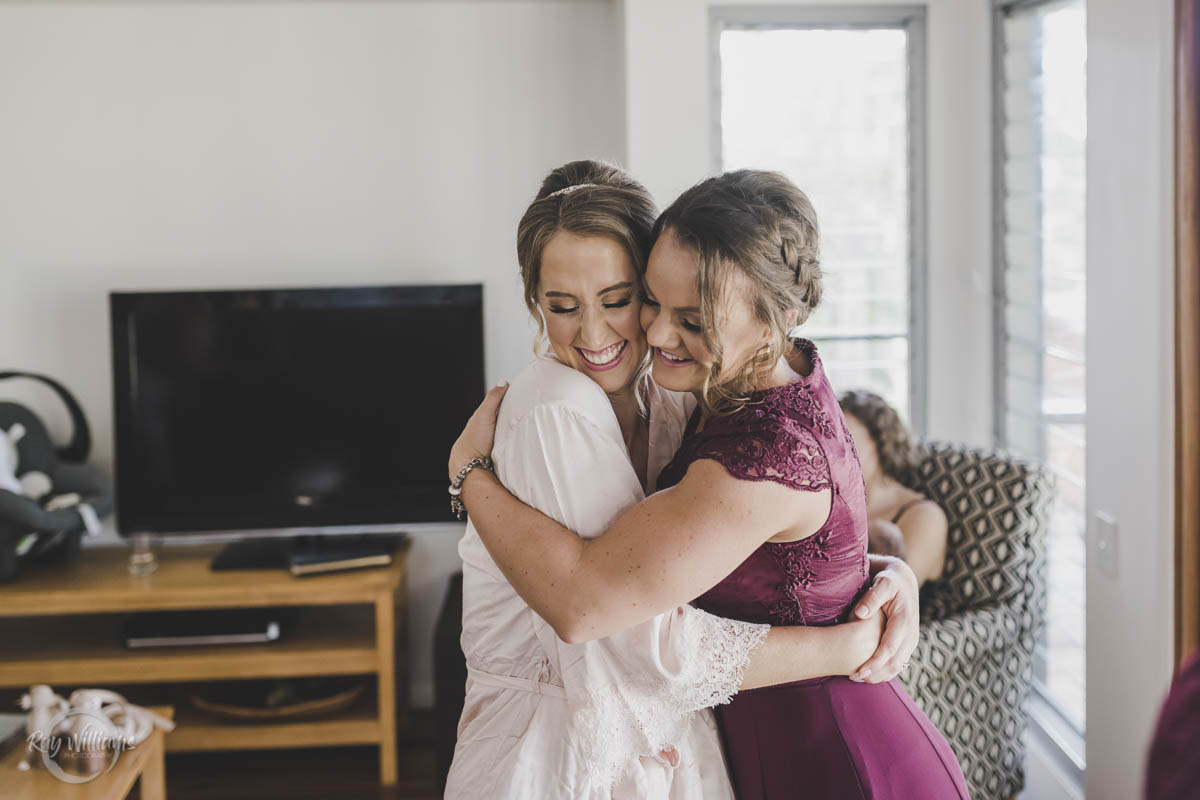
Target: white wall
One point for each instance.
(215, 144)
(1044, 779)
(669, 128)
(1129, 384)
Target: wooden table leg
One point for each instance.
(154, 773)
(385, 644)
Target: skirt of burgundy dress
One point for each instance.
(827, 738)
(833, 738)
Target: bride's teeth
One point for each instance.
(604, 356)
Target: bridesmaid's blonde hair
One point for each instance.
(760, 225)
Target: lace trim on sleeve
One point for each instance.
(792, 457)
(643, 715)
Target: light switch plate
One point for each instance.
(1106, 543)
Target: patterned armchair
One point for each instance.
(973, 670)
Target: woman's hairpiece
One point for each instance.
(568, 189)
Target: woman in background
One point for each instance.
(583, 437)
(901, 521)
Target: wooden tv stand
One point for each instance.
(59, 626)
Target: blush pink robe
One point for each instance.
(546, 719)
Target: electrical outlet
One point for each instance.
(1106, 543)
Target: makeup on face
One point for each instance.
(588, 294)
(673, 325)
(671, 316)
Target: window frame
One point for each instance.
(911, 19)
(1050, 725)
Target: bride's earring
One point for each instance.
(541, 344)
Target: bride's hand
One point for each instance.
(476, 439)
(865, 636)
(895, 593)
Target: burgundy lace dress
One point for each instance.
(826, 737)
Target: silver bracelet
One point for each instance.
(456, 504)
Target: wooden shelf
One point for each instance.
(61, 625)
(197, 731)
(100, 581)
(87, 650)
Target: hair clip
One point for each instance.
(568, 189)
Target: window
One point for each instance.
(835, 101)
(1041, 303)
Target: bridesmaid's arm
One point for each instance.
(659, 555)
(642, 566)
(797, 653)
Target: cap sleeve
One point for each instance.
(767, 448)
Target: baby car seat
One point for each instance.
(48, 496)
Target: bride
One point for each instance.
(582, 437)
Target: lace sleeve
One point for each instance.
(791, 456)
(634, 694)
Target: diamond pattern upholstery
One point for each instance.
(973, 669)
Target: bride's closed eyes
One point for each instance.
(613, 304)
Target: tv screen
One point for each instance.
(297, 408)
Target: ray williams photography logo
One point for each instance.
(93, 744)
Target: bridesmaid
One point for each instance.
(765, 516)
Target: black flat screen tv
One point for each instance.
(284, 409)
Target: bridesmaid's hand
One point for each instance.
(476, 439)
(894, 592)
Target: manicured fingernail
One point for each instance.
(864, 674)
(861, 612)
(856, 679)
